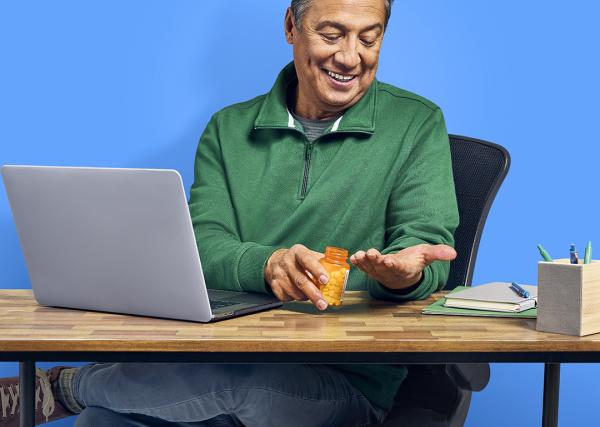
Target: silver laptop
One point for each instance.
(116, 240)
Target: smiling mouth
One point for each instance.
(339, 77)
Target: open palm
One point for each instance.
(401, 269)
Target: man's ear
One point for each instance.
(289, 26)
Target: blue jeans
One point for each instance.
(203, 395)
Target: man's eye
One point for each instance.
(368, 43)
(331, 37)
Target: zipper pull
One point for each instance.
(309, 148)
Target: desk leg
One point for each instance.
(27, 393)
(551, 391)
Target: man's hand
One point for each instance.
(287, 273)
(402, 269)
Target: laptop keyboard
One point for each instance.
(220, 304)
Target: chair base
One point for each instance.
(429, 398)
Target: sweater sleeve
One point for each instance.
(422, 207)
(227, 262)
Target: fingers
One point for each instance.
(383, 268)
(407, 262)
(438, 253)
(308, 265)
(414, 259)
(301, 283)
(290, 273)
(297, 287)
(290, 291)
(368, 261)
(374, 256)
(279, 291)
(307, 260)
(359, 259)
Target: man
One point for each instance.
(329, 156)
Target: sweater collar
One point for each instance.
(274, 113)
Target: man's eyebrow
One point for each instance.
(342, 27)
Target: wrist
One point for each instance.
(407, 285)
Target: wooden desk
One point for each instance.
(361, 331)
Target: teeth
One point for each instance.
(339, 76)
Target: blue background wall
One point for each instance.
(132, 84)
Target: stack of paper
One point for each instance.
(493, 299)
(497, 296)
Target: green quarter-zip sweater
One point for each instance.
(379, 177)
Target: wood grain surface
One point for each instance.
(359, 325)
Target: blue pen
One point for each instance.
(519, 290)
(573, 255)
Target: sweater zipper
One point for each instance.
(307, 155)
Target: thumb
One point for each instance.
(438, 253)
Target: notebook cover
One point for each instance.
(438, 308)
(495, 292)
(490, 306)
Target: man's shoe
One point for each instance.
(47, 406)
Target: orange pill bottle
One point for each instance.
(335, 262)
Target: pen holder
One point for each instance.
(568, 297)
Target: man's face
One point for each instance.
(336, 52)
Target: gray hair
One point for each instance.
(299, 8)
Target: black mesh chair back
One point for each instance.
(440, 395)
(479, 168)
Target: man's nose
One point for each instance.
(348, 56)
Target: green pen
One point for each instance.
(588, 253)
(544, 254)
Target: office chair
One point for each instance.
(479, 169)
(440, 395)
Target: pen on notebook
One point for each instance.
(544, 253)
(573, 255)
(519, 290)
(587, 258)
